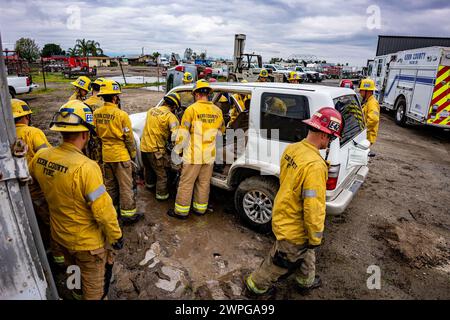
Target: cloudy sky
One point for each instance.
(338, 31)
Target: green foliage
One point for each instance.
(27, 49)
(52, 49)
(85, 48)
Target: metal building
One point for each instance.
(391, 44)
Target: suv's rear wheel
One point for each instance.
(254, 199)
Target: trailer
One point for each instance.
(415, 84)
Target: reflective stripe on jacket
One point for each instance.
(160, 122)
(371, 110)
(113, 126)
(82, 215)
(298, 215)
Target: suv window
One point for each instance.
(285, 112)
(186, 98)
(352, 114)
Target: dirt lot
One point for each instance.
(399, 221)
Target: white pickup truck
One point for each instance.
(19, 84)
(253, 173)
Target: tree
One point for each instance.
(87, 48)
(72, 52)
(94, 48)
(52, 49)
(275, 60)
(27, 49)
(155, 55)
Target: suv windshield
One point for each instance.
(351, 112)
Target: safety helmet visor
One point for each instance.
(64, 118)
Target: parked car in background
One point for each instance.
(19, 85)
(164, 62)
(277, 69)
(253, 175)
(174, 76)
(309, 75)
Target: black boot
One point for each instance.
(132, 219)
(173, 214)
(305, 290)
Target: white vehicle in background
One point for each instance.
(164, 62)
(277, 69)
(308, 74)
(416, 84)
(19, 85)
(253, 173)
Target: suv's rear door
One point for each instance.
(349, 157)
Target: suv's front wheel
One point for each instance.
(254, 199)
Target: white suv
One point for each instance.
(254, 169)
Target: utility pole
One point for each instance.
(43, 73)
(123, 74)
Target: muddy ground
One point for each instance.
(399, 221)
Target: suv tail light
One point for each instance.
(28, 81)
(179, 68)
(333, 175)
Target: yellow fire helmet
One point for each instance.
(223, 99)
(202, 85)
(173, 98)
(263, 73)
(367, 84)
(99, 81)
(293, 76)
(20, 108)
(109, 87)
(74, 116)
(82, 82)
(187, 78)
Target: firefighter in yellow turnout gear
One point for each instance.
(82, 86)
(95, 101)
(371, 109)
(33, 137)
(35, 140)
(113, 127)
(298, 215)
(82, 216)
(94, 147)
(159, 126)
(263, 76)
(201, 123)
(243, 100)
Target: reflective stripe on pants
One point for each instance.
(196, 179)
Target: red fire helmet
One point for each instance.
(327, 120)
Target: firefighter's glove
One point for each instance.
(118, 244)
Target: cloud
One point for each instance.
(332, 30)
